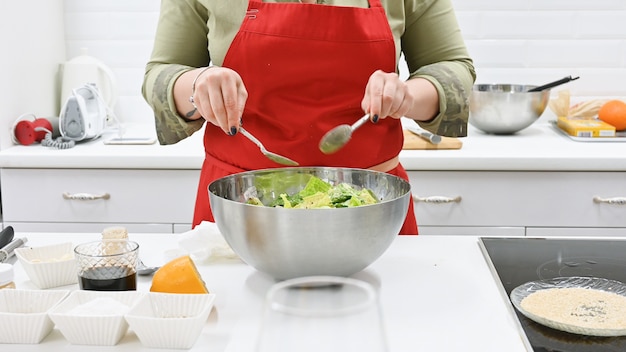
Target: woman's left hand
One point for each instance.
(387, 95)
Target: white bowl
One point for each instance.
(170, 320)
(94, 317)
(24, 314)
(49, 266)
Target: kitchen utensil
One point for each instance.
(553, 84)
(288, 243)
(413, 142)
(283, 160)
(412, 126)
(339, 136)
(322, 313)
(9, 250)
(107, 265)
(6, 236)
(506, 108)
(144, 270)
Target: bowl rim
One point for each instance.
(299, 168)
(507, 88)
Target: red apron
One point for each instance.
(305, 68)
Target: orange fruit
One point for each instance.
(613, 112)
(179, 275)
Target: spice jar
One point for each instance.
(6, 276)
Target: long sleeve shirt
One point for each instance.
(195, 33)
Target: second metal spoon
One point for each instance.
(283, 160)
(144, 270)
(339, 136)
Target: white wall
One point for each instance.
(537, 41)
(119, 33)
(31, 49)
(511, 41)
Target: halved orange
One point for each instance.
(179, 275)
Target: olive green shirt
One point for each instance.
(425, 31)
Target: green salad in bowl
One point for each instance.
(306, 221)
(320, 194)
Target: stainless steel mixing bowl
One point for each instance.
(290, 243)
(505, 108)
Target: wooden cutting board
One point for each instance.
(413, 142)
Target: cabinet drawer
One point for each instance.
(561, 199)
(119, 196)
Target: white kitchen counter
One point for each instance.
(538, 148)
(437, 294)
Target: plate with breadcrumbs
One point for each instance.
(579, 305)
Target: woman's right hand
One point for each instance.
(220, 97)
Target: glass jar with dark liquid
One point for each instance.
(113, 278)
(109, 265)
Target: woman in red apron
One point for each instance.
(300, 83)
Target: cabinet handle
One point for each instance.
(85, 196)
(437, 199)
(615, 200)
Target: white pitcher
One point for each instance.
(85, 69)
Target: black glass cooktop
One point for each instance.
(516, 261)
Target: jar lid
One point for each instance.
(6, 273)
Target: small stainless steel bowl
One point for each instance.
(290, 243)
(506, 108)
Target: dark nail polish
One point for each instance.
(241, 121)
(375, 119)
(233, 131)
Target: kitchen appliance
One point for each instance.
(84, 69)
(28, 129)
(84, 114)
(515, 261)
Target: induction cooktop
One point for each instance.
(515, 261)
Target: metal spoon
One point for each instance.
(144, 270)
(272, 156)
(339, 136)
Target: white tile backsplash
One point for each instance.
(512, 41)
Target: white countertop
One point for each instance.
(437, 294)
(537, 148)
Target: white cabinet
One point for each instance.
(508, 202)
(87, 200)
